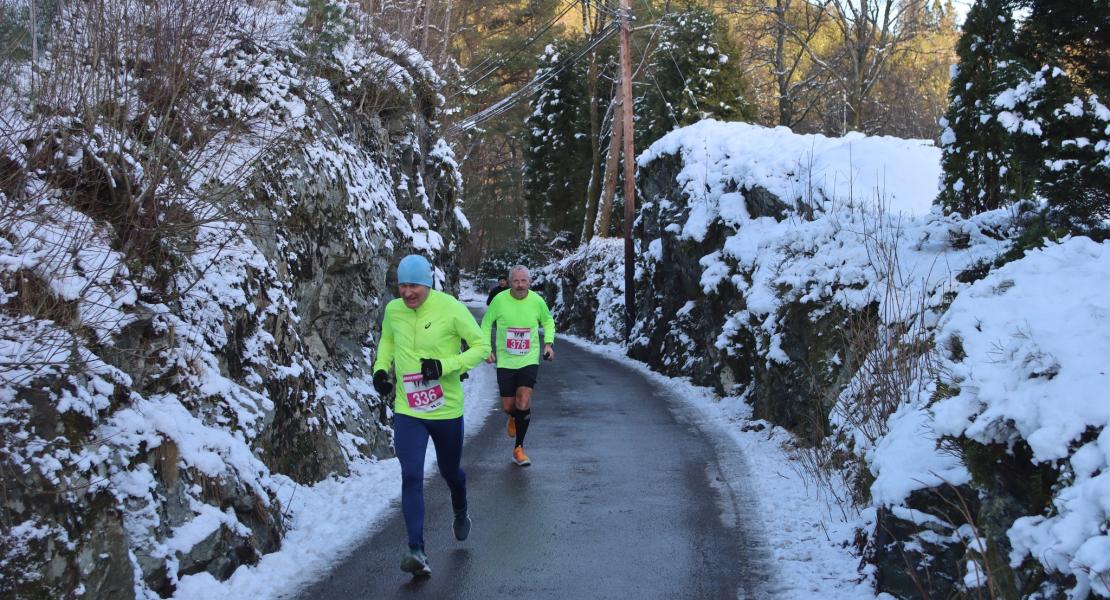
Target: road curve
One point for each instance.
(627, 498)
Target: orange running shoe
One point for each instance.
(520, 458)
(510, 429)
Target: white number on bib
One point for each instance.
(423, 396)
(518, 340)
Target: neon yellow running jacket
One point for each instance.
(517, 332)
(432, 330)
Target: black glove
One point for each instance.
(431, 368)
(464, 376)
(382, 383)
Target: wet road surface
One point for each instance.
(625, 499)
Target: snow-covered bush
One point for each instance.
(586, 290)
(1025, 355)
(533, 251)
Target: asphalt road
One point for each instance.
(626, 498)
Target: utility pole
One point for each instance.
(629, 168)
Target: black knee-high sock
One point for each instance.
(522, 417)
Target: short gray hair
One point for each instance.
(520, 268)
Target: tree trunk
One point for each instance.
(595, 158)
(616, 140)
(782, 77)
(427, 25)
(446, 34)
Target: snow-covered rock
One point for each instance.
(809, 277)
(188, 314)
(959, 404)
(760, 250)
(1026, 357)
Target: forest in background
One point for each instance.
(1012, 92)
(830, 66)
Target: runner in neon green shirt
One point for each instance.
(518, 316)
(421, 336)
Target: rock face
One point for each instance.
(586, 291)
(670, 292)
(169, 394)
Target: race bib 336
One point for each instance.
(422, 395)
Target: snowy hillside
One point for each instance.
(1026, 363)
(192, 283)
(809, 277)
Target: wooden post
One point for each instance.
(34, 44)
(629, 167)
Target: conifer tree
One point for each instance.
(694, 75)
(1061, 108)
(978, 159)
(557, 160)
(326, 28)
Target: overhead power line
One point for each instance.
(533, 86)
(490, 69)
(490, 65)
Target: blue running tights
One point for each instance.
(410, 438)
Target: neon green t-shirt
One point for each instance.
(431, 330)
(518, 323)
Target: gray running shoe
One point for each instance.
(461, 525)
(416, 562)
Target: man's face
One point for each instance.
(502, 282)
(520, 283)
(413, 294)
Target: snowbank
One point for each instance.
(1028, 348)
(719, 157)
(594, 305)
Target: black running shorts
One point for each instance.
(510, 379)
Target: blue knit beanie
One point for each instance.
(414, 269)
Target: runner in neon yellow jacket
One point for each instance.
(422, 332)
(518, 315)
(432, 330)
